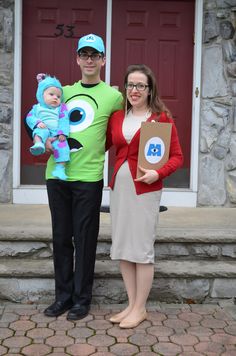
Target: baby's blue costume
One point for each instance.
(57, 122)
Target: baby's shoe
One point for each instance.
(37, 149)
(59, 172)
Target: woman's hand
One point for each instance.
(150, 176)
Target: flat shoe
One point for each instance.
(116, 319)
(132, 324)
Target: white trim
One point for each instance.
(17, 94)
(108, 42)
(196, 100)
(107, 76)
(170, 197)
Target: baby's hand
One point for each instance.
(41, 125)
(61, 138)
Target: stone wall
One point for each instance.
(217, 165)
(6, 97)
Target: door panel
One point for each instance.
(51, 29)
(159, 34)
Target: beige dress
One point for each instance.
(134, 217)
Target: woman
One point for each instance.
(135, 202)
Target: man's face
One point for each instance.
(90, 62)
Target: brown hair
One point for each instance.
(155, 103)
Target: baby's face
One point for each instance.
(52, 96)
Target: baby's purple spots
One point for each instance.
(56, 153)
(62, 144)
(29, 114)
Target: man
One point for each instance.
(75, 203)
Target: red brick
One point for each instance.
(99, 324)
(22, 325)
(5, 332)
(184, 339)
(142, 339)
(101, 340)
(103, 354)
(213, 323)
(210, 347)
(167, 348)
(80, 349)
(155, 316)
(224, 339)
(118, 332)
(160, 331)
(41, 318)
(61, 325)
(38, 333)
(145, 353)
(231, 329)
(124, 349)
(59, 341)
(80, 332)
(190, 317)
(16, 341)
(3, 350)
(199, 331)
(38, 350)
(176, 324)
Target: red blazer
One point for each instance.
(129, 152)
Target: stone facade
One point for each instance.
(217, 164)
(217, 160)
(6, 98)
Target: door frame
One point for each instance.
(36, 194)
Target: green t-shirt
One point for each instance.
(89, 110)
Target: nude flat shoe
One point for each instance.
(116, 319)
(132, 324)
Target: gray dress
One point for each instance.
(134, 217)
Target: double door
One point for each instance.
(157, 33)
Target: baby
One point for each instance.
(49, 118)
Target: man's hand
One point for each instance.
(150, 176)
(61, 138)
(48, 144)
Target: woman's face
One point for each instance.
(138, 95)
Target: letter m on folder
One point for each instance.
(154, 150)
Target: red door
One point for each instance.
(51, 29)
(159, 34)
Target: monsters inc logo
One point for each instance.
(154, 150)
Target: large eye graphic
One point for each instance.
(81, 115)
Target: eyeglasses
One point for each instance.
(94, 56)
(138, 86)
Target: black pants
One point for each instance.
(75, 212)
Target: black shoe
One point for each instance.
(162, 208)
(58, 308)
(78, 312)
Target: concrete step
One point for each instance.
(29, 268)
(175, 281)
(182, 244)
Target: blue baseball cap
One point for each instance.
(92, 41)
